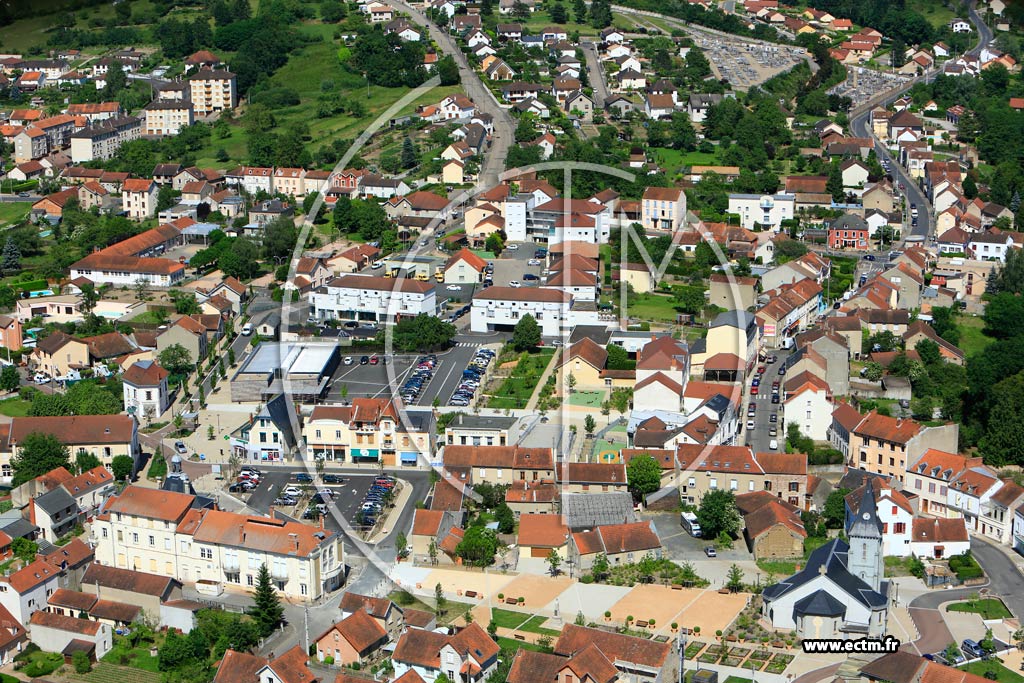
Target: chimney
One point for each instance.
(822, 569)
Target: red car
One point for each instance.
(753, 391)
(760, 369)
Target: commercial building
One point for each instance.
(371, 298)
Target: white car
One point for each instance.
(750, 424)
(533, 262)
(246, 330)
(512, 247)
(515, 283)
(773, 444)
(348, 360)
(377, 264)
(293, 491)
(40, 378)
(453, 288)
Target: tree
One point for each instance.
(928, 351)
(121, 467)
(526, 334)
(495, 244)
(447, 70)
(600, 567)
(266, 611)
(478, 546)
(589, 425)
(570, 381)
(432, 552)
(834, 185)
(401, 546)
(554, 561)
(439, 600)
(11, 258)
(24, 549)
(9, 378)
(717, 514)
(166, 197)
(422, 333)
(734, 581)
(579, 10)
(38, 454)
(176, 359)
(505, 518)
(409, 159)
(89, 297)
(872, 371)
(834, 511)
(85, 461)
(558, 13)
(951, 653)
(643, 476)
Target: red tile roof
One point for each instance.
(542, 531)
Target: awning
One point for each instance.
(409, 458)
(365, 453)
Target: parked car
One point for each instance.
(710, 551)
(333, 479)
(304, 477)
(179, 446)
(972, 648)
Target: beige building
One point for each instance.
(499, 464)
(584, 361)
(105, 436)
(638, 277)
(212, 92)
(167, 117)
(138, 198)
(368, 430)
(739, 469)
(736, 293)
(160, 532)
(59, 353)
(887, 445)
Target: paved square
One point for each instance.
(538, 590)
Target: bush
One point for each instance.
(81, 662)
(586, 578)
(328, 660)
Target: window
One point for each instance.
(733, 484)
(713, 484)
(104, 532)
(152, 541)
(931, 487)
(302, 589)
(900, 527)
(206, 553)
(135, 539)
(249, 580)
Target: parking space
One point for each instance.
(367, 380)
(746, 64)
(862, 84)
(471, 378)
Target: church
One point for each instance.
(840, 592)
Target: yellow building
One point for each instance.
(368, 430)
(584, 361)
(105, 436)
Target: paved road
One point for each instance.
(494, 158)
(760, 437)
(597, 75)
(860, 127)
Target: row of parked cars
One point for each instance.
(419, 378)
(373, 502)
(472, 376)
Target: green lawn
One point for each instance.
(515, 391)
(592, 399)
(39, 663)
(14, 407)
(672, 160)
(1003, 675)
(541, 19)
(513, 645)
(13, 212)
(653, 308)
(988, 608)
(972, 339)
(937, 13)
(506, 618)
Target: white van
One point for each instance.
(246, 329)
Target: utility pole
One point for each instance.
(305, 612)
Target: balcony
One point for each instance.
(279, 572)
(230, 565)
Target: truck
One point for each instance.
(689, 522)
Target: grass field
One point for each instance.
(937, 13)
(988, 608)
(522, 622)
(13, 212)
(14, 407)
(672, 160)
(653, 307)
(1002, 674)
(972, 339)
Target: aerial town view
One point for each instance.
(511, 341)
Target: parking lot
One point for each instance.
(348, 496)
(862, 84)
(515, 264)
(746, 64)
(384, 380)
